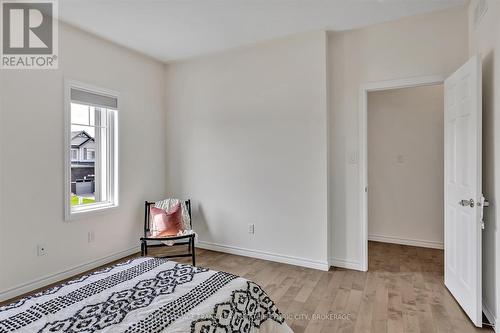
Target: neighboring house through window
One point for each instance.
(91, 172)
(80, 142)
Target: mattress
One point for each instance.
(147, 295)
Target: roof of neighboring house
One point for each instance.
(79, 138)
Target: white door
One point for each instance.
(463, 194)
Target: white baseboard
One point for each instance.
(406, 241)
(490, 315)
(347, 264)
(62, 275)
(315, 264)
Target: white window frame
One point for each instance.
(72, 213)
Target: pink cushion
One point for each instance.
(164, 224)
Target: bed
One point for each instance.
(147, 295)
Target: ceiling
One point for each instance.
(176, 29)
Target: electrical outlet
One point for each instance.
(41, 250)
(90, 237)
(251, 228)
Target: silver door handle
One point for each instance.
(466, 203)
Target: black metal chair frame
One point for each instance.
(190, 238)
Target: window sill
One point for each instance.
(76, 213)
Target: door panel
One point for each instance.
(463, 188)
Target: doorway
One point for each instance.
(363, 142)
(406, 166)
(463, 199)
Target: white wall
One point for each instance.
(32, 159)
(485, 39)
(423, 45)
(247, 141)
(246, 136)
(405, 166)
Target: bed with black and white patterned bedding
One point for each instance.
(147, 295)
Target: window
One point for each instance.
(90, 154)
(91, 172)
(74, 154)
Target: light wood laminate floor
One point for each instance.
(403, 291)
